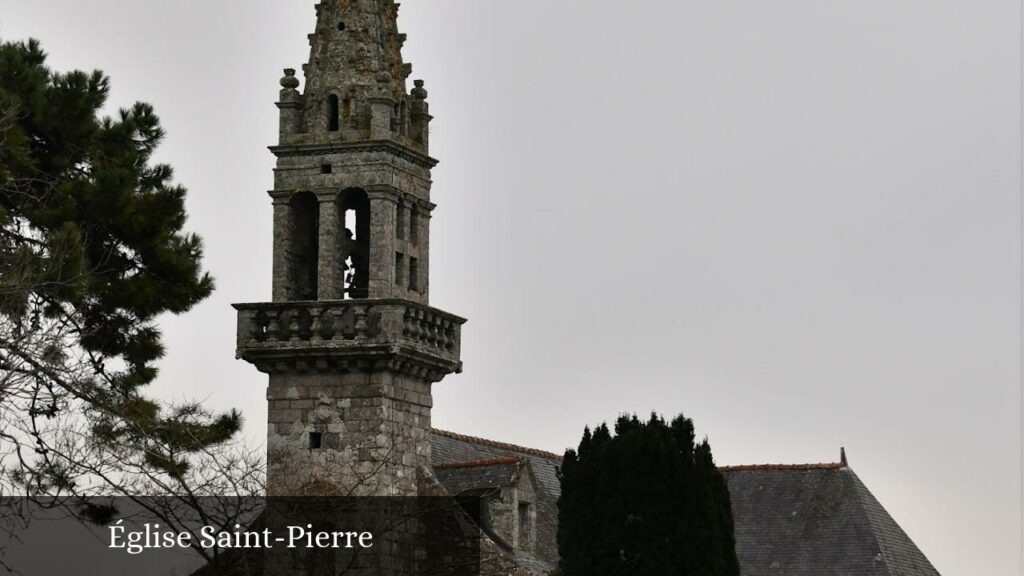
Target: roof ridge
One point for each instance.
(480, 463)
(499, 445)
(759, 467)
(557, 457)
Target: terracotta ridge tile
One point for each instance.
(480, 463)
(759, 467)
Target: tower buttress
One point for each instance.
(349, 342)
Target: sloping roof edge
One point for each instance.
(900, 553)
(499, 445)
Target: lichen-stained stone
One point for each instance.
(348, 340)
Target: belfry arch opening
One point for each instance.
(354, 224)
(303, 246)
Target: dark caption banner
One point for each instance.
(317, 536)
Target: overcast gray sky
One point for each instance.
(797, 221)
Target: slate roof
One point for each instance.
(451, 448)
(478, 474)
(816, 520)
(791, 520)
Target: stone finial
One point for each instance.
(289, 80)
(419, 92)
(842, 457)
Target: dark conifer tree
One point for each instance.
(646, 501)
(92, 252)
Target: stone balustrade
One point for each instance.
(348, 328)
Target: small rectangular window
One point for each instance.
(326, 169)
(332, 113)
(524, 526)
(315, 440)
(400, 224)
(399, 268)
(414, 224)
(414, 274)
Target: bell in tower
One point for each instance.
(349, 342)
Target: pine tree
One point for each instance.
(646, 501)
(92, 252)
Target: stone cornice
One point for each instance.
(424, 205)
(379, 191)
(391, 146)
(369, 357)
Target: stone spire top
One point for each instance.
(355, 81)
(357, 48)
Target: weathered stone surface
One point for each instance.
(350, 346)
(349, 342)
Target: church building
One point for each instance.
(352, 347)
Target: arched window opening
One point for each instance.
(403, 114)
(303, 249)
(355, 249)
(332, 113)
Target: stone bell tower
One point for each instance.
(349, 342)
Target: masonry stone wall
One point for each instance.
(373, 433)
(503, 512)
